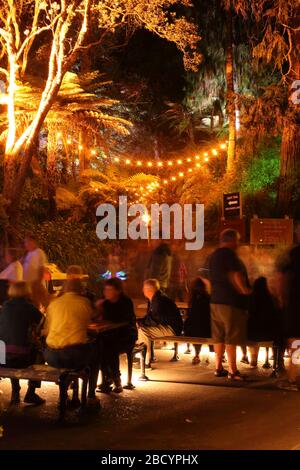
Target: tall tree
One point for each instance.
(67, 28)
(279, 43)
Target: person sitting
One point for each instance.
(67, 346)
(18, 319)
(198, 315)
(263, 317)
(116, 307)
(162, 319)
(14, 269)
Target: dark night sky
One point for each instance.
(157, 61)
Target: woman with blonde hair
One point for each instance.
(18, 320)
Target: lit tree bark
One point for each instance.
(230, 94)
(290, 145)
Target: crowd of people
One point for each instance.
(37, 327)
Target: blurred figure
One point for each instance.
(14, 270)
(33, 270)
(289, 293)
(229, 302)
(160, 265)
(67, 346)
(263, 317)
(162, 319)
(117, 308)
(18, 320)
(178, 278)
(198, 319)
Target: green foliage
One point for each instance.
(263, 172)
(67, 243)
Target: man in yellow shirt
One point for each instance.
(66, 326)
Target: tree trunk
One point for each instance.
(290, 166)
(230, 94)
(290, 145)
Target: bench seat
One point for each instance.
(44, 373)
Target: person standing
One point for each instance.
(289, 294)
(198, 315)
(160, 266)
(33, 270)
(229, 299)
(14, 270)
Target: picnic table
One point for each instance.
(102, 326)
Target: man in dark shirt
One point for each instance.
(230, 288)
(117, 308)
(162, 319)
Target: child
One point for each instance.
(198, 317)
(263, 317)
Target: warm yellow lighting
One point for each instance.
(139, 163)
(117, 159)
(223, 146)
(173, 178)
(69, 141)
(205, 154)
(127, 161)
(197, 157)
(93, 152)
(214, 151)
(188, 159)
(159, 164)
(179, 162)
(58, 135)
(80, 147)
(149, 163)
(206, 159)
(165, 181)
(190, 170)
(198, 165)
(180, 174)
(170, 163)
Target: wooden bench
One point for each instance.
(208, 341)
(62, 377)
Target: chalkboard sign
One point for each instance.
(271, 231)
(232, 205)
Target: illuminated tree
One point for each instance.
(65, 29)
(279, 44)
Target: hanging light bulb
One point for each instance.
(170, 163)
(127, 161)
(116, 159)
(139, 163)
(80, 147)
(149, 163)
(214, 151)
(93, 152)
